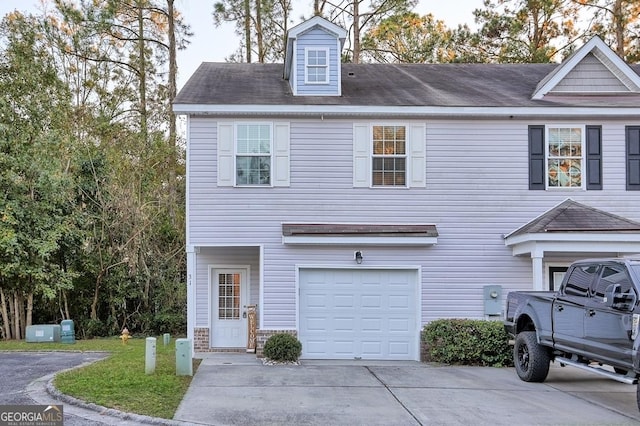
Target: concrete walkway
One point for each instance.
(236, 389)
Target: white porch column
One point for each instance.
(538, 270)
(191, 291)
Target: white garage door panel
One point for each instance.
(368, 314)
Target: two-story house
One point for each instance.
(350, 204)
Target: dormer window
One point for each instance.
(317, 66)
(312, 58)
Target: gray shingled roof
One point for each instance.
(571, 216)
(447, 85)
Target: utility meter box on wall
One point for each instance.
(492, 300)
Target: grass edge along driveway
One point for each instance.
(119, 381)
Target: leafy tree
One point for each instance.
(409, 38)
(120, 259)
(262, 24)
(617, 22)
(523, 31)
(132, 212)
(35, 208)
(358, 16)
(132, 38)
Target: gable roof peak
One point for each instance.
(317, 21)
(604, 54)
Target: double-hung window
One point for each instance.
(389, 155)
(317, 66)
(253, 154)
(389, 159)
(564, 157)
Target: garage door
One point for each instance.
(359, 314)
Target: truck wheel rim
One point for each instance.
(523, 357)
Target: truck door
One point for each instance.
(608, 329)
(568, 310)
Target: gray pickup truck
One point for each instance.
(591, 322)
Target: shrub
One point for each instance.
(167, 322)
(90, 329)
(468, 342)
(282, 347)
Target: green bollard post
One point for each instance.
(184, 364)
(150, 356)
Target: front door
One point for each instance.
(229, 318)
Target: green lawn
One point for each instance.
(119, 381)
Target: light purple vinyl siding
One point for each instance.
(476, 192)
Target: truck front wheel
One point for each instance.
(531, 359)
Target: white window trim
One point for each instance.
(236, 153)
(416, 150)
(406, 156)
(307, 66)
(583, 170)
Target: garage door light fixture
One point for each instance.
(358, 257)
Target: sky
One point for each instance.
(211, 44)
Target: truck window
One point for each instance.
(580, 280)
(611, 274)
(636, 268)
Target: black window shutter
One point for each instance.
(594, 157)
(632, 136)
(536, 157)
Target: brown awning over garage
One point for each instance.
(343, 233)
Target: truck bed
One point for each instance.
(541, 301)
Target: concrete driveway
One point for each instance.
(235, 389)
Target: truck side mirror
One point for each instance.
(610, 294)
(615, 299)
(632, 299)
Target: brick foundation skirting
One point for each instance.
(424, 351)
(200, 339)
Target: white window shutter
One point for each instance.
(361, 157)
(281, 154)
(417, 158)
(225, 154)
